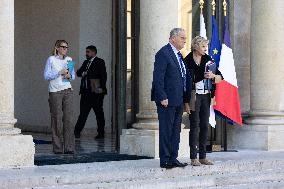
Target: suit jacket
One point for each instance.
(97, 70)
(167, 79)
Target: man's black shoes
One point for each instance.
(173, 165)
(100, 136)
(58, 152)
(69, 152)
(179, 164)
(77, 136)
(167, 165)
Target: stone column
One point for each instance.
(157, 18)
(15, 149)
(264, 127)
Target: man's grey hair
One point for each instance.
(175, 32)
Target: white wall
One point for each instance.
(38, 24)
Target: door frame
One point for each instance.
(119, 69)
(119, 75)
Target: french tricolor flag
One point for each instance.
(227, 95)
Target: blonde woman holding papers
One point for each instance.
(57, 72)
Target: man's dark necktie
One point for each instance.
(182, 70)
(85, 77)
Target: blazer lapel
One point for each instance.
(172, 54)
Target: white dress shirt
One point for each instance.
(176, 53)
(54, 65)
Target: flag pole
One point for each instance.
(225, 118)
(213, 7)
(201, 3)
(201, 20)
(225, 7)
(225, 121)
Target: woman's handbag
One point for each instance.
(192, 100)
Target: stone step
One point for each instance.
(268, 185)
(265, 179)
(157, 183)
(270, 175)
(142, 171)
(265, 185)
(123, 171)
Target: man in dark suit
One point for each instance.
(171, 88)
(92, 71)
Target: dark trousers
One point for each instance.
(62, 101)
(169, 132)
(199, 119)
(91, 101)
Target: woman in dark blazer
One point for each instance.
(203, 81)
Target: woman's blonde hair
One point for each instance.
(197, 42)
(57, 45)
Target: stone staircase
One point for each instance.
(239, 170)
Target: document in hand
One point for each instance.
(96, 86)
(70, 68)
(209, 66)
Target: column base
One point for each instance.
(146, 142)
(16, 150)
(258, 133)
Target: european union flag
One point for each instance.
(214, 50)
(215, 47)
